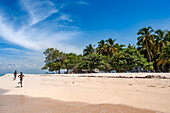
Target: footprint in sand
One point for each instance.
(151, 86)
(130, 84)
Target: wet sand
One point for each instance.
(25, 104)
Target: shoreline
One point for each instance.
(137, 91)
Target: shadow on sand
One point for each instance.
(2, 91)
(17, 86)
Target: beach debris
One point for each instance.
(141, 77)
(130, 84)
(151, 86)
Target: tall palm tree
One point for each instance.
(111, 47)
(89, 50)
(164, 57)
(146, 40)
(160, 39)
(101, 47)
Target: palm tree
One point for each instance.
(167, 36)
(101, 47)
(111, 47)
(89, 50)
(164, 57)
(146, 40)
(120, 47)
(160, 39)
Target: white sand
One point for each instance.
(153, 94)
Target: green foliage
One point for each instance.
(133, 57)
(108, 47)
(146, 41)
(118, 61)
(105, 64)
(71, 61)
(54, 60)
(152, 53)
(151, 46)
(148, 65)
(124, 61)
(164, 57)
(111, 48)
(101, 48)
(90, 62)
(89, 50)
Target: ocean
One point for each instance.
(2, 74)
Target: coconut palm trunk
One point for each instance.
(148, 51)
(163, 69)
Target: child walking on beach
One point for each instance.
(21, 78)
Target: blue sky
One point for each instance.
(28, 27)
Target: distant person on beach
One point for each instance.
(15, 74)
(21, 78)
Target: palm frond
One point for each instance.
(160, 61)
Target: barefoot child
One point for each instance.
(21, 78)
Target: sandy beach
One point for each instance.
(116, 92)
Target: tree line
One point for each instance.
(152, 54)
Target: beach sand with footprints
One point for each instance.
(84, 93)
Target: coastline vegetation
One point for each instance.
(151, 54)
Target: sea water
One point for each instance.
(2, 74)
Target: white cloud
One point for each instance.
(43, 36)
(64, 17)
(38, 10)
(36, 33)
(10, 49)
(82, 3)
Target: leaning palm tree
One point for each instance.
(111, 48)
(146, 40)
(89, 50)
(160, 39)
